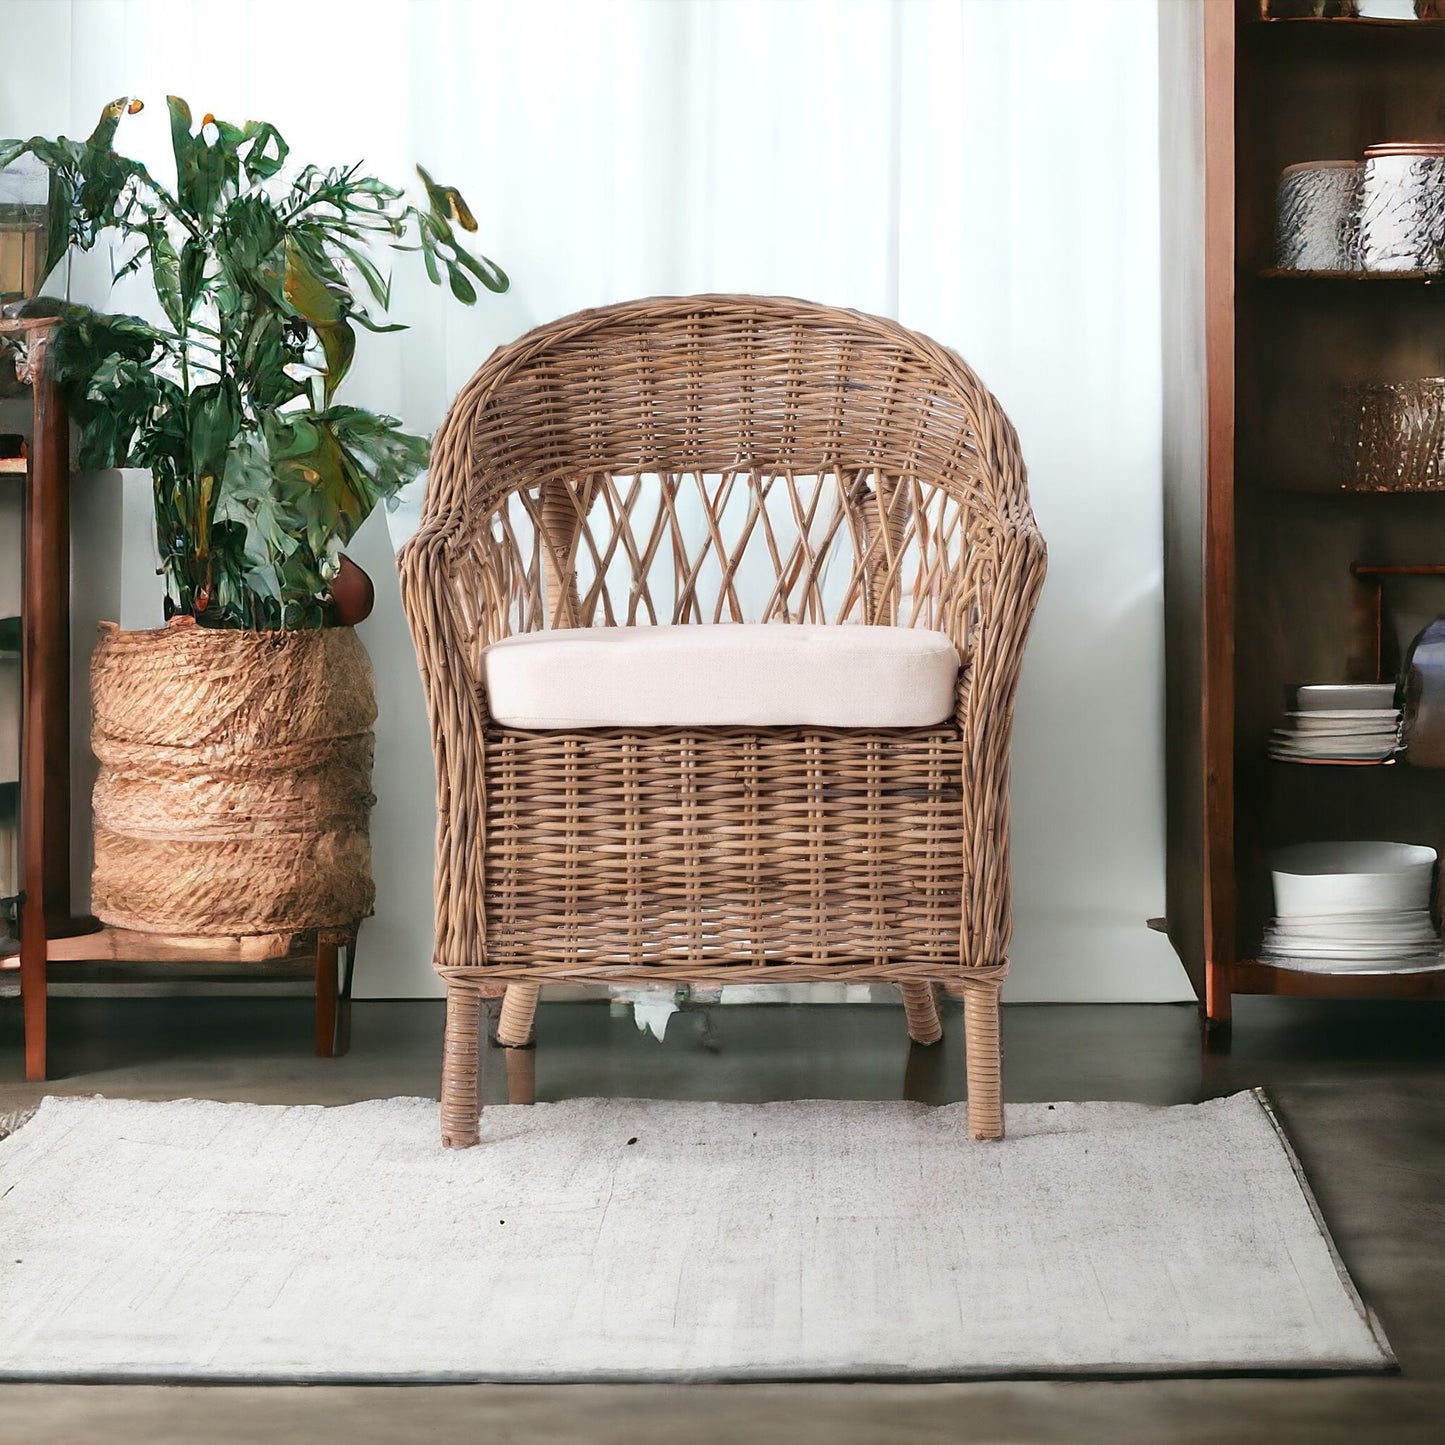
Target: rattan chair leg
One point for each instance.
(517, 1028)
(920, 1007)
(982, 1059)
(461, 1068)
(521, 1075)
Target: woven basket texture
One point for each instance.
(235, 779)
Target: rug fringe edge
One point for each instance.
(15, 1120)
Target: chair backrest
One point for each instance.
(714, 459)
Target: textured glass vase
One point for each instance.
(1316, 217)
(1397, 443)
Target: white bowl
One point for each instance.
(1349, 696)
(1330, 878)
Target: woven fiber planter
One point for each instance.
(235, 779)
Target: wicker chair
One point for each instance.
(716, 460)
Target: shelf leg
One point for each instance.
(33, 953)
(1218, 993)
(343, 1007)
(1217, 1038)
(326, 996)
(45, 700)
(1218, 1009)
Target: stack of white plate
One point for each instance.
(1353, 908)
(1339, 723)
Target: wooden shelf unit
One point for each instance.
(1263, 541)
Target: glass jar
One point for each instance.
(1316, 217)
(1402, 207)
(24, 193)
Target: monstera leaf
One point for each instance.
(106, 366)
(334, 466)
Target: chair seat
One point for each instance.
(729, 675)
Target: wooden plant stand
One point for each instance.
(49, 932)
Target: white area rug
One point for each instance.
(625, 1239)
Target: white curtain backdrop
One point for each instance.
(984, 170)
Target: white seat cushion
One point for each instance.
(731, 674)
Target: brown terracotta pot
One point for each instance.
(353, 594)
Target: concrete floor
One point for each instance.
(1361, 1089)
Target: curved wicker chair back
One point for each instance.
(719, 459)
(714, 459)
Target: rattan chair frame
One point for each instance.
(706, 460)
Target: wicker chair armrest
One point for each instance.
(449, 585)
(996, 587)
(1005, 580)
(448, 632)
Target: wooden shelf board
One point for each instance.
(1397, 569)
(292, 978)
(1335, 762)
(14, 466)
(1255, 977)
(1398, 278)
(1393, 491)
(1346, 22)
(1332, 491)
(124, 945)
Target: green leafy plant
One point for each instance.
(263, 275)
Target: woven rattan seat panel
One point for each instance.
(716, 846)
